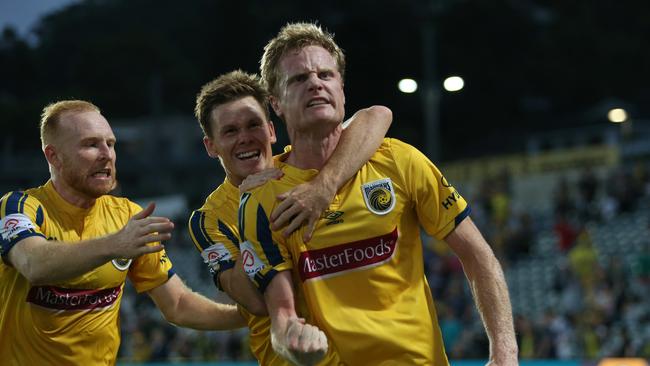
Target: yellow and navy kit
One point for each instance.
(361, 278)
(214, 231)
(73, 322)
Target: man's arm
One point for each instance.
(183, 307)
(291, 337)
(489, 289)
(43, 261)
(306, 202)
(236, 284)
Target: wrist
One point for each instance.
(328, 183)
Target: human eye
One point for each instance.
(228, 131)
(327, 74)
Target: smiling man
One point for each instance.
(233, 113)
(68, 246)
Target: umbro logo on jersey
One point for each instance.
(332, 217)
(379, 196)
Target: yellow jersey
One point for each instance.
(72, 322)
(361, 278)
(213, 229)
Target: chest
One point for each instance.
(69, 230)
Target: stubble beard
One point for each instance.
(77, 181)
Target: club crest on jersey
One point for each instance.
(379, 196)
(122, 263)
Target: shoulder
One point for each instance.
(225, 195)
(20, 202)
(221, 205)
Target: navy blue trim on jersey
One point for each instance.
(39, 216)
(461, 216)
(170, 273)
(6, 245)
(265, 238)
(197, 225)
(225, 230)
(243, 200)
(13, 203)
(262, 282)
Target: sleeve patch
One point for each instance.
(251, 261)
(14, 224)
(215, 254)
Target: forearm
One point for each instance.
(46, 262)
(183, 307)
(198, 312)
(358, 142)
(490, 292)
(489, 289)
(280, 302)
(235, 283)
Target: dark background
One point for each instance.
(529, 66)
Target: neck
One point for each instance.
(70, 195)
(311, 149)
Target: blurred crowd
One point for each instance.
(599, 303)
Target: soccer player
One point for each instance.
(360, 279)
(234, 115)
(68, 246)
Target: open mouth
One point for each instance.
(101, 174)
(248, 155)
(317, 101)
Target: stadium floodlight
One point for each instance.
(453, 83)
(617, 115)
(407, 86)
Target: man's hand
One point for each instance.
(301, 343)
(304, 204)
(134, 238)
(259, 178)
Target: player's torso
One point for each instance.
(361, 276)
(223, 204)
(73, 321)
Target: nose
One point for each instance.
(106, 152)
(244, 136)
(314, 82)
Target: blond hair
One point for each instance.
(52, 113)
(227, 88)
(295, 36)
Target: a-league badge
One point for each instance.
(379, 196)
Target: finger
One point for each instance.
(152, 238)
(293, 334)
(146, 212)
(283, 206)
(309, 231)
(311, 339)
(285, 217)
(152, 249)
(166, 227)
(154, 220)
(322, 341)
(295, 224)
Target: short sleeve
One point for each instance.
(216, 240)
(151, 270)
(262, 256)
(439, 206)
(21, 216)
